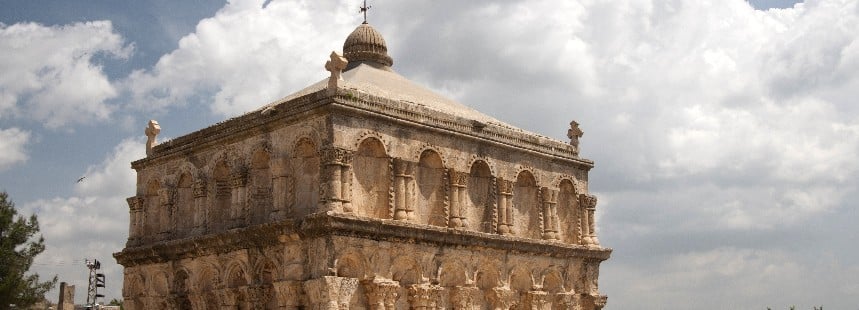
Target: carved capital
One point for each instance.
(336, 156)
(464, 298)
(135, 203)
(600, 301)
(200, 189)
(536, 300)
(381, 294)
(330, 293)
(570, 301)
(458, 178)
(403, 168)
(505, 187)
(588, 201)
(502, 298)
(239, 179)
(290, 294)
(425, 296)
(549, 195)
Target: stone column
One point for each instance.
(458, 183)
(289, 294)
(382, 294)
(550, 213)
(403, 183)
(568, 301)
(425, 296)
(136, 216)
(329, 293)
(198, 220)
(336, 179)
(465, 298)
(238, 182)
(588, 203)
(505, 204)
(502, 298)
(536, 300)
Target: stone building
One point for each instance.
(363, 190)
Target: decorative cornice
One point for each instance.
(336, 224)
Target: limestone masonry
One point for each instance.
(363, 190)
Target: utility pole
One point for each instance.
(96, 280)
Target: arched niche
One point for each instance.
(260, 181)
(152, 209)
(372, 180)
(568, 213)
(184, 204)
(553, 282)
(526, 206)
(430, 186)
(478, 209)
(306, 175)
(220, 209)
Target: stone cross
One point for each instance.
(335, 66)
(152, 131)
(574, 133)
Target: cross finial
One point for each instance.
(151, 132)
(364, 10)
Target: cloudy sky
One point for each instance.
(725, 133)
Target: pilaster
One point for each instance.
(505, 204)
(458, 192)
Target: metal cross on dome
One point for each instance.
(364, 10)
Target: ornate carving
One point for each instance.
(588, 201)
(382, 294)
(457, 178)
(425, 296)
(505, 187)
(570, 301)
(330, 293)
(290, 294)
(465, 298)
(502, 298)
(239, 179)
(135, 203)
(600, 301)
(336, 156)
(536, 300)
(199, 189)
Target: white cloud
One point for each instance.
(91, 224)
(49, 74)
(245, 56)
(12, 142)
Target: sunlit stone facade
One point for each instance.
(362, 191)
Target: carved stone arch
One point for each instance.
(478, 210)
(406, 270)
(527, 208)
(552, 280)
(134, 290)
(265, 271)
(180, 282)
(303, 133)
(236, 275)
(184, 210)
(534, 172)
(493, 169)
(206, 275)
(159, 282)
(488, 274)
(556, 182)
(431, 207)
(352, 264)
(374, 135)
(521, 278)
(452, 272)
(372, 193)
(430, 147)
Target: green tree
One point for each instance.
(18, 247)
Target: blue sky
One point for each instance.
(725, 134)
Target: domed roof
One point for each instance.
(366, 44)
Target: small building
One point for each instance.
(364, 190)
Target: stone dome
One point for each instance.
(366, 44)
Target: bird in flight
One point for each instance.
(81, 179)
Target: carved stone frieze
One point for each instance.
(336, 156)
(425, 296)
